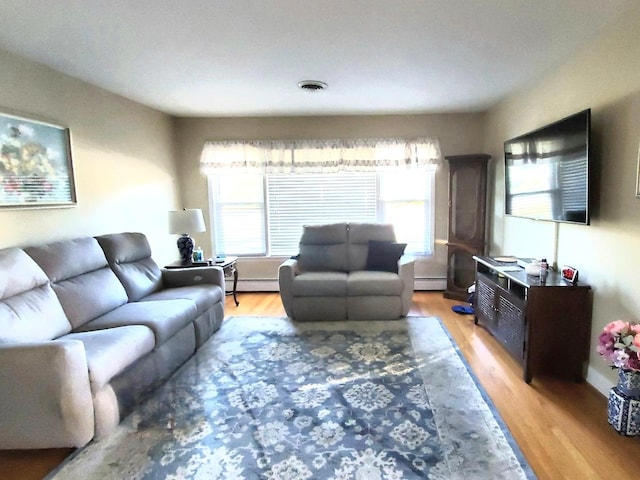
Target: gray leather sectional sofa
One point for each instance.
(347, 271)
(88, 327)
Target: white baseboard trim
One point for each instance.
(599, 381)
(257, 285)
(430, 284)
(268, 285)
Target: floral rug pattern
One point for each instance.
(269, 399)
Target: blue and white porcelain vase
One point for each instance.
(623, 408)
(185, 247)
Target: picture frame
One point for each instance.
(36, 169)
(569, 274)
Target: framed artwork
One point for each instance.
(35, 164)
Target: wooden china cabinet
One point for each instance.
(467, 220)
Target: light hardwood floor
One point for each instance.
(560, 426)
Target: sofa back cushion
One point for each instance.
(359, 236)
(129, 255)
(29, 308)
(324, 248)
(81, 277)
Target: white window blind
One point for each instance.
(407, 201)
(264, 214)
(308, 199)
(238, 214)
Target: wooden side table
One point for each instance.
(228, 265)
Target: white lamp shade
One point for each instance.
(189, 220)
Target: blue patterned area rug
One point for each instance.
(269, 399)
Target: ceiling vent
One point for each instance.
(312, 85)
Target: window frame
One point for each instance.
(429, 208)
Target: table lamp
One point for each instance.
(188, 220)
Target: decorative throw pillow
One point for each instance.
(384, 256)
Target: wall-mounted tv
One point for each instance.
(547, 171)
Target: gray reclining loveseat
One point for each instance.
(87, 328)
(347, 271)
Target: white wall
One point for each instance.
(604, 76)
(458, 134)
(122, 156)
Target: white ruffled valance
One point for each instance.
(317, 156)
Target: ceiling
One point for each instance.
(245, 57)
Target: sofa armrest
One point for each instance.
(184, 277)
(45, 396)
(406, 261)
(406, 270)
(286, 273)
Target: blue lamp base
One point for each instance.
(185, 247)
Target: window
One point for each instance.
(238, 214)
(308, 199)
(262, 192)
(263, 214)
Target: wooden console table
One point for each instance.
(545, 326)
(228, 265)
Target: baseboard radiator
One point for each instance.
(271, 285)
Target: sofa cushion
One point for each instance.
(376, 283)
(164, 317)
(320, 284)
(113, 350)
(29, 308)
(204, 296)
(81, 278)
(324, 248)
(384, 256)
(129, 255)
(324, 234)
(359, 236)
(361, 233)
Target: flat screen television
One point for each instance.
(547, 171)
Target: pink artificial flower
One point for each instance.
(616, 327)
(605, 343)
(619, 344)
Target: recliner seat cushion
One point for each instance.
(164, 317)
(113, 350)
(366, 283)
(204, 296)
